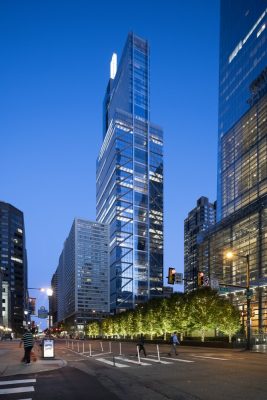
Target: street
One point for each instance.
(196, 373)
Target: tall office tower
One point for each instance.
(13, 275)
(199, 219)
(53, 300)
(242, 158)
(82, 275)
(130, 181)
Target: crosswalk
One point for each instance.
(14, 387)
(124, 361)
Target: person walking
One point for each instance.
(141, 344)
(174, 343)
(28, 341)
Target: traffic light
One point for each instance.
(171, 276)
(200, 278)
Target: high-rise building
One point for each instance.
(13, 275)
(82, 276)
(198, 220)
(130, 180)
(242, 160)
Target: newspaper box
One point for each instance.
(48, 348)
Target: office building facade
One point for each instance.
(130, 181)
(82, 276)
(199, 219)
(242, 156)
(13, 276)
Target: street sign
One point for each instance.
(48, 348)
(42, 312)
(223, 289)
(178, 278)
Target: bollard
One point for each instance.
(72, 345)
(138, 354)
(90, 350)
(120, 348)
(101, 345)
(78, 346)
(83, 347)
(110, 347)
(114, 362)
(158, 352)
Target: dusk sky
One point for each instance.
(54, 70)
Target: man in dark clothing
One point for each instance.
(28, 341)
(140, 345)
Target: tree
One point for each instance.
(228, 319)
(203, 310)
(180, 313)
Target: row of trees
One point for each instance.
(200, 310)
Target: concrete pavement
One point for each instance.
(11, 355)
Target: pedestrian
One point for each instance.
(28, 341)
(174, 343)
(141, 344)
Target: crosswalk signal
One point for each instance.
(200, 278)
(171, 276)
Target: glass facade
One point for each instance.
(199, 220)
(245, 232)
(13, 264)
(130, 182)
(243, 56)
(242, 161)
(82, 276)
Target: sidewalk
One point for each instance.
(10, 361)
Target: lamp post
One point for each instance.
(49, 293)
(230, 255)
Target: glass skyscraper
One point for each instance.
(198, 220)
(13, 268)
(242, 160)
(130, 180)
(243, 58)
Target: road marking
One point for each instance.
(178, 359)
(99, 354)
(17, 390)
(156, 361)
(17, 382)
(112, 363)
(131, 361)
(213, 358)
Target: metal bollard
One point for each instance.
(101, 345)
(78, 346)
(72, 345)
(83, 347)
(110, 347)
(158, 352)
(138, 354)
(114, 362)
(90, 350)
(120, 348)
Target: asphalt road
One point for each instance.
(195, 374)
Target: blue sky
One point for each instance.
(54, 69)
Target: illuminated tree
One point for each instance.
(228, 319)
(203, 310)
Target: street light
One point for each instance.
(49, 293)
(230, 255)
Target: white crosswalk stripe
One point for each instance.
(131, 361)
(103, 360)
(212, 358)
(17, 389)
